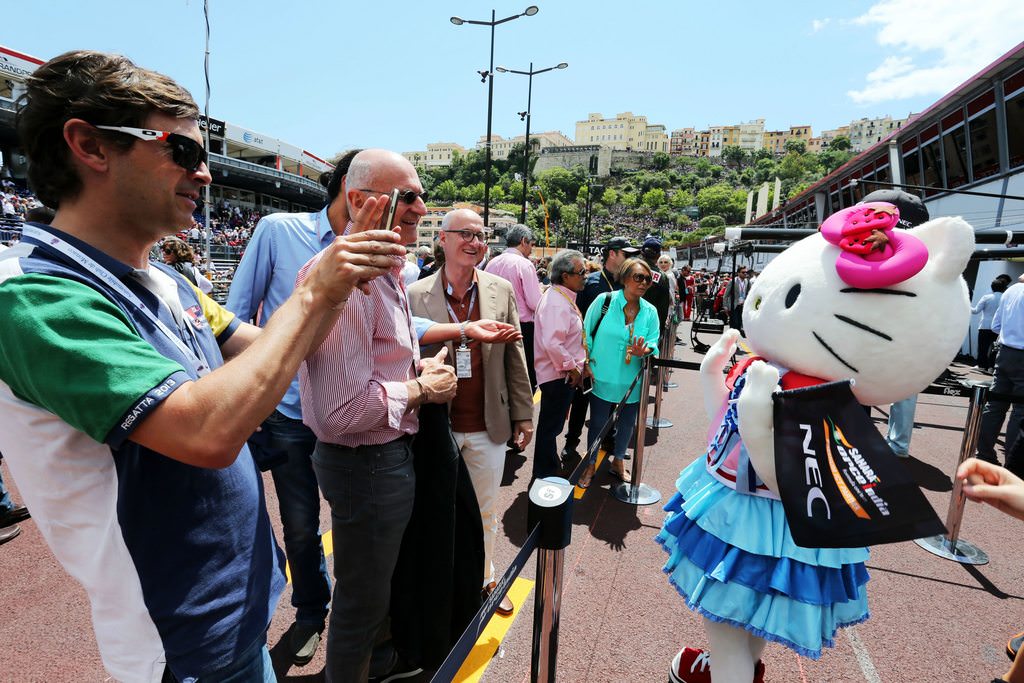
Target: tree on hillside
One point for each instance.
(795, 146)
(735, 155)
(841, 143)
(446, 191)
(654, 198)
(723, 200)
(661, 161)
(561, 184)
(680, 199)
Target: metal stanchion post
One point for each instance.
(658, 422)
(951, 546)
(636, 492)
(551, 502)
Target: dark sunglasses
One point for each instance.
(408, 196)
(641, 278)
(185, 151)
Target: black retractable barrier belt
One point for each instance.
(458, 655)
(1008, 398)
(679, 364)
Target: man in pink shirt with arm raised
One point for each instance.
(514, 265)
(560, 354)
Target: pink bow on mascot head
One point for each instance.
(873, 253)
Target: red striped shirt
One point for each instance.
(353, 387)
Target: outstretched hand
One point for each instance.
(992, 484)
(492, 332)
(638, 348)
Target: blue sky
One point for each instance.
(327, 76)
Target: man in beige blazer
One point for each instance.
(493, 401)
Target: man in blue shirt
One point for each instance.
(1007, 379)
(281, 244)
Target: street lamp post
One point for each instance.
(547, 236)
(529, 111)
(489, 76)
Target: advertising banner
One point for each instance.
(840, 483)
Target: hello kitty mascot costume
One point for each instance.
(860, 299)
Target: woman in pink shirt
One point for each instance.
(560, 356)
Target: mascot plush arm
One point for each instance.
(754, 412)
(712, 379)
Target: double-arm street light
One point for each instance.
(489, 76)
(526, 114)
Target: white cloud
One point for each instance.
(935, 45)
(818, 24)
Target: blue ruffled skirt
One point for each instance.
(733, 559)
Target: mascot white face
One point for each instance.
(893, 338)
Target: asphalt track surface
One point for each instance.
(931, 619)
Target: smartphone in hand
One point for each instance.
(389, 214)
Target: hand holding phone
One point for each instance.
(389, 214)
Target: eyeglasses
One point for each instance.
(641, 278)
(581, 272)
(407, 196)
(185, 151)
(470, 235)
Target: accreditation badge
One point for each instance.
(463, 362)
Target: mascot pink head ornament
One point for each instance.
(874, 254)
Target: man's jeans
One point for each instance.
(289, 444)
(901, 425)
(252, 666)
(1008, 379)
(6, 504)
(555, 398)
(370, 490)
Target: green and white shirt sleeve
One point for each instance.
(67, 349)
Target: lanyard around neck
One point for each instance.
(200, 365)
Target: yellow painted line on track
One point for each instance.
(490, 639)
(487, 644)
(579, 492)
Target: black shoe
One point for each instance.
(13, 516)
(303, 640)
(399, 671)
(9, 534)
(570, 461)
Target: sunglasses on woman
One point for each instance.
(185, 151)
(642, 278)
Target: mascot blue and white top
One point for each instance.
(861, 299)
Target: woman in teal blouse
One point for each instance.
(617, 343)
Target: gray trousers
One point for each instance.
(370, 490)
(1008, 379)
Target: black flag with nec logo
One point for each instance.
(840, 484)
